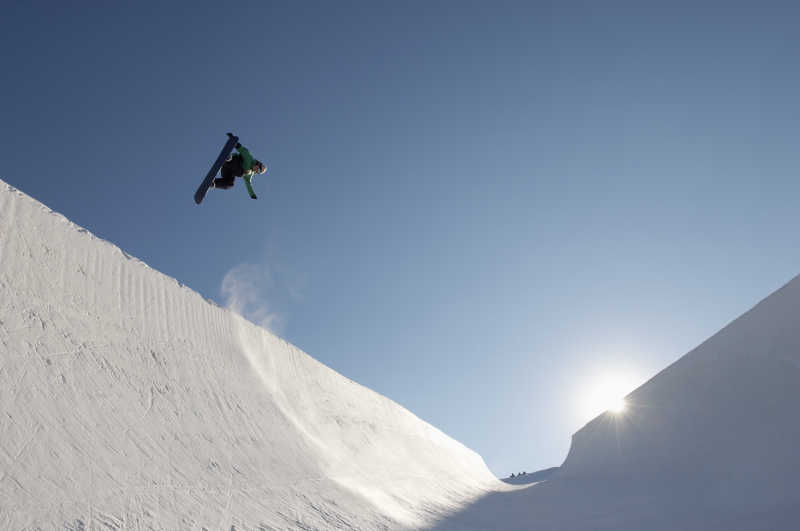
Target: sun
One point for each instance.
(609, 394)
(606, 392)
(617, 406)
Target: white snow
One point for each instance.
(127, 401)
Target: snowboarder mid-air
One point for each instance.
(241, 165)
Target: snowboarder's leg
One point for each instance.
(227, 176)
(224, 184)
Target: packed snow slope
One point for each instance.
(129, 401)
(712, 442)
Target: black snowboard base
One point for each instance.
(200, 194)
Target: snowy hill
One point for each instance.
(720, 427)
(127, 401)
(712, 442)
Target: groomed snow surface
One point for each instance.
(127, 401)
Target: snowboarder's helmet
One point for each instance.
(259, 167)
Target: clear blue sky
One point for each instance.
(474, 208)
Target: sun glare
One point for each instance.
(606, 392)
(617, 406)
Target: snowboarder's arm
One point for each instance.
(247, 179)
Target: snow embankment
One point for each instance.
(129, 401)
(718, 431)
(711, 443)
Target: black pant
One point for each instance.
(229, 171)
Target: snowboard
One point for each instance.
(200, 194)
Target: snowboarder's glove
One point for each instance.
(238, 145)
(254, 196)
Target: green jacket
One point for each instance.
(247, 165)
